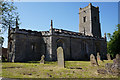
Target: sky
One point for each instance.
(37, 15)
(119, 12)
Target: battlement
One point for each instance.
(89, 6)
(62, 32)
(28, 45)
(24, 31)
(55, 31)
(59, 31)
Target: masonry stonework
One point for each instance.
(26, 45)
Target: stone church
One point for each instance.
(27, 45)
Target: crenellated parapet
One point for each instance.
(24, 31)
(89, 6)
(55, 32)
(29, 45)
(66, 33)
(61, 31)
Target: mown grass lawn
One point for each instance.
(50, 70)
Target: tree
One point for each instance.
(108, 35)
(113, 45)
(8, 16)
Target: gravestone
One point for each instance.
(108, 57)
(116, 65)
(117, 56)
(108, 67)
(98, 57)
(60, 57)
(93, 60)
(117, 59)
(113, 68)
(42, 61)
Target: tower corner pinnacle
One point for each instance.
(51, 26)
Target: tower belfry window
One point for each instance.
(84, 19)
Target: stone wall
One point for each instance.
(27, 45)
(75, 46)
(85, 26)
(89, 21)
(60, 41)
(96, 30)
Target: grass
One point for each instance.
(50, 70)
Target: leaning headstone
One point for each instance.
(98, 57)
(42, 61)
(108, 57)
(113, 68)
(93, 60)
(60, 57)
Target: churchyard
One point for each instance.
(95, 68)
(73, 69)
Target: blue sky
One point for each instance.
(37, 15)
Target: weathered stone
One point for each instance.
(29, 45)
(117, 56)
(108, 67)
(116, 65)
(98, 57)
(42, 61)
(93, 60)
(60, 57)
(117, 59)
(108, 57)
(113, 68)
(84, 27)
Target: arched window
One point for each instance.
(59, 43)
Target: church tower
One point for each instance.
(89, 23)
